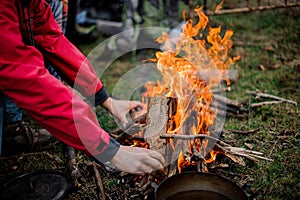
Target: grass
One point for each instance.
(270, 39)
(268, 43)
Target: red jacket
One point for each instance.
(27, 82)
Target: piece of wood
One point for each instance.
(99, 182)
(187, 137)
(241, 131)
(252, 9)
(220, 90)
(228, 108)
(156, 122)
(227, 101)
(255, 105)
(265, 95)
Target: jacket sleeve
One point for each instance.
(69, 61)
(25, 80)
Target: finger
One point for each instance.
(134, 104)
(158, 157)
(141, 150)
(154, 164)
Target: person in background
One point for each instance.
(75, 36)
(25, 80)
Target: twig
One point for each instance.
(99, 182)
(239, 149)
(227, 101)
(187, 137)
(253, 156)
(273, 147)
(254, 105)
(218, 90)
(259, 94)
(247, 153)
(240, 131)
(251, 9)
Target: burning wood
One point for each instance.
(181, 122)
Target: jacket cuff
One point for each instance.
(99, 97)
(109, 152)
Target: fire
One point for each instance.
(192, 63)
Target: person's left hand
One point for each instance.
(120, 108)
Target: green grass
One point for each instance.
(268, 38)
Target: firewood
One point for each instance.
(187, 137)
(224, 89)
(228, 108)
(227, 101)
(240, 131)
(252, 9)
(252, 155)
(156, 122)
(235, 158)
(218, 165)
(254, 105)
(260, 94)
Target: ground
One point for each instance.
(268, 44)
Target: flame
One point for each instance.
(191, 64)
(219, 6)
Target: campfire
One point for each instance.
(186, 108)
(192, 64)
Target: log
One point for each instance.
(156, 122)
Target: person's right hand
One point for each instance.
(137, 160)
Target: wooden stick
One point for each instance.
(260, 94)
(254, 105)
(219, 90)
(252, 156)
(99, 182)
(240, 131)
(247, 153)
(187, 137)
(239, 149)
(252, 9)
(227, 101)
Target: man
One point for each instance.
(24, 79)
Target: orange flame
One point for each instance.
(191, 65)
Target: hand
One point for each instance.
(137, 160)
(120, 108)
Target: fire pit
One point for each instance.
(195, 185)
